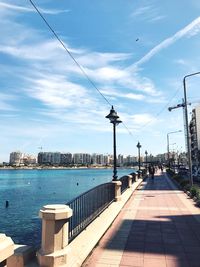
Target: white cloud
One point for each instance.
(4, 99)
(94, 59)
(47, 50)
(189, 30)
(57, 92)
(141, 119)
(147, 13)
(8, 6)
(111, 92)
(141, 11)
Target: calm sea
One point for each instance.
(28, 190)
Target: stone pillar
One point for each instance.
(117, 190)
(54, 248)
(6, 247)
(136, 177)
(130, 180)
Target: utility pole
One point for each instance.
(184, 105)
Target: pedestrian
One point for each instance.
(161, 167)
(152, 171)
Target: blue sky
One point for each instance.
(135, 52)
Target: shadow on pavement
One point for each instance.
(163, 232)
(175, 239)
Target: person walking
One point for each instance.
(152, 171)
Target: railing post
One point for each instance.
(55, 219)
(130, 180)
(117, 185)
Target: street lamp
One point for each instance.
(168, 144)
(114, 119)
(187, 126)
(146, 153)
(139, 146)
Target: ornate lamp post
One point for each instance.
(146, 153)
(139, 146)
(114, 119)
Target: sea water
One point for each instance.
(27, 191)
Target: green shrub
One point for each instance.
(184, 184)
(198, 194)
(194, 190)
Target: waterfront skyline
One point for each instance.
(135, 53)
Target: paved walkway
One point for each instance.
(158, 227)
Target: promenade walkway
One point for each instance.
(158, 227)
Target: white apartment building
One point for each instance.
(49, 158)
(81, 158)
(15, 158)
(195, 138)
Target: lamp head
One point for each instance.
(138, 145)
(113, 117)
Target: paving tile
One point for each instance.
(154, 255)
(156, 248)
(149, 262)
(131, 261)
(173, 249)
(176, 263)
(193, 263)
(133, 254)
(176, 256)
(193, 256)
(191, 249)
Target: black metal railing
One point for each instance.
(124, 181)
(88, 206)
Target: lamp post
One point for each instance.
(146, 153)
(187, 126)
(168, 145)
(114, 119)
(139, 146)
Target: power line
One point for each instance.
(75, 61)
(69, 53)
(165, 106)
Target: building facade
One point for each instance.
(15, 158)
(195, 140)
(49, 158)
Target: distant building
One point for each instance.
(51, 158)
(130, 160)
(120, 160)
(82, 158)
(15, 158)
(18, 159)
(195, 137)
(105, 159)
(65, 158)
(160, 158)
(28, 160)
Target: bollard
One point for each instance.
(130, 180)
(117, 190)
(54, 250)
